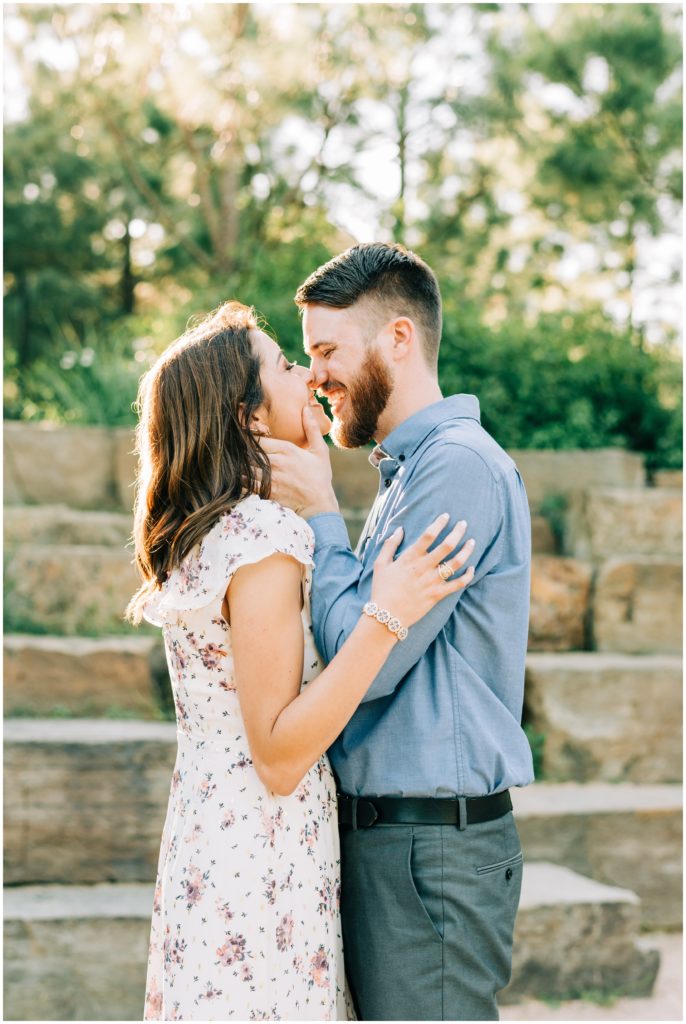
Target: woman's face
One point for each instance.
(289, 388)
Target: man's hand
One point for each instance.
(301, 477)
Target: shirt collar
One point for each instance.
(403, 442)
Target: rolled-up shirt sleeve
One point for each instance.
(448, 477)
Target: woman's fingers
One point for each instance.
(389, 547)
(461, 582)
(442, 550)
(427, 538)
(460, 558)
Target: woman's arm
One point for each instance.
(289, 730)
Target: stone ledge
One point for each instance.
(637, 606)
(70, 589)
(59, 524)
(560, 592)
(598, 724)
(575, 935)
(79, 952)
(620, 834)
(606, 522)
(550, 473)
(82, 675)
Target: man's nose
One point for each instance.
(319, 375)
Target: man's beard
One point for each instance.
(367, 397)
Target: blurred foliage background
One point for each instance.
(160, 158)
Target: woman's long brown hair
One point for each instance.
(197, 457)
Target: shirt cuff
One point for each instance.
(329, 530)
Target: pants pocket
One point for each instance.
(425, 877)
(509, 862)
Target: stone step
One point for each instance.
(560, 594)
(47, 675)
(93, 467)
(59, 524)
(549, 474)
(574, 935)
(606, 717)
(606, 522)
(76, 952)
(673, 478)
(619, 834)
(637, 606)
(85, 799)
(71, 589)
(83, 589)
(79, 952)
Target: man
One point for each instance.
(430, 858)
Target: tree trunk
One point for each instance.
(128, 279)
(399, 226)
(24, 320)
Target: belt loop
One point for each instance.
(354, 814)
(462, 813)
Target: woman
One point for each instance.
(246, 909)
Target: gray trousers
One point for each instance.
(428, 914)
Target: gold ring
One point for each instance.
(444, 571)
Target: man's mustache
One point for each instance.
(329, 386)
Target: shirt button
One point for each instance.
(508, 874)
(387, 483)
(401, 458)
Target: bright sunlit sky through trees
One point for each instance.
(451, 63)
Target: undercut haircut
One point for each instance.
(390, 277)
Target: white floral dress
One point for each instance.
(245, 920)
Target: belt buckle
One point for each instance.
(364, 824)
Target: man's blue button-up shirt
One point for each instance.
(442, 717)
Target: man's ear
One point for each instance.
(404, 336)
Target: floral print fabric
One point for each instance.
(245, 919)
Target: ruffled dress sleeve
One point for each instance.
(254, 529)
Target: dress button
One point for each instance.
(508, 874)
(401, 458)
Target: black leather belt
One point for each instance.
(363, 812)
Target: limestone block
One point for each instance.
(669, 478)
(76, 952)
(547, 473)
(605, 523)
(69, 589)
(560, 589)
(47, 464)
(606, 717)
(82, 675)
(57, 524)
(85, 799)
(620, 834)
(574, 935)
(637, 606)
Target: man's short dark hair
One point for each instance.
(390, 276)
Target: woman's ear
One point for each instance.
(258, 421)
